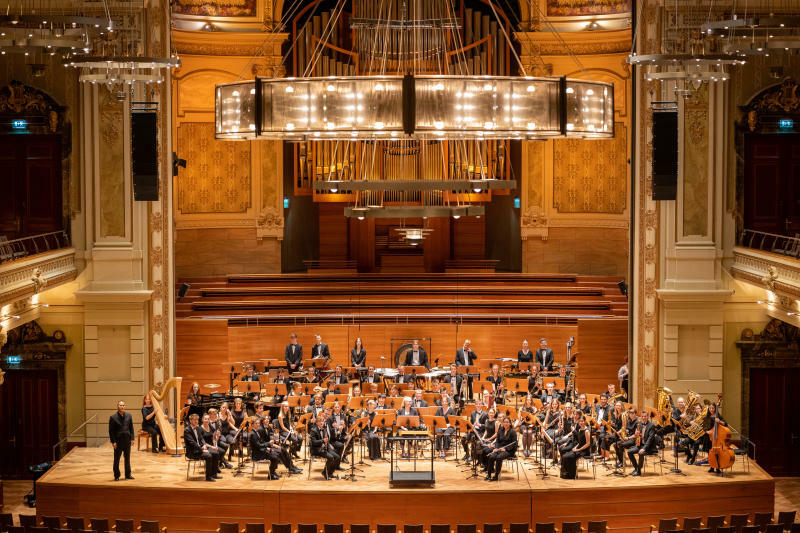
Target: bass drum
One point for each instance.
(400, 355)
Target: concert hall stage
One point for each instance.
(82, 484)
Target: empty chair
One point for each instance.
(27, 520)
(281, 528)
(464, 528)
(774, 528)
(690, 524)
(701, 530)
(440, 528)
(16, 529)
(762, 519)
(519, 528)
(151, 526)
(714, 522)
(750, 529)
(359, 528)
(254, 528)
(37, 529)
(725, 529)
(333, 528)
(795, 527)
(76, 523)
(306, 528)
(785, 519)
(571, 527)
(491, 528)
(737, 521)
(100, 525)
(6, 521)
(664, 525)
(596, 526)
(228, 527)
(545, 527)
(412, 528)
(387, 528)
(51, 522)
(124, 526)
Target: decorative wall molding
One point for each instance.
(580, 43)
(769, 271)
(262, 45)
(18, 279)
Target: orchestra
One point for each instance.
(529, 399)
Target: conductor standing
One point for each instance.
(120, 432)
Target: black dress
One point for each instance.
(150, 426)
(507, 447)
(569, 461)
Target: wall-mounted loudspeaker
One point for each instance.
(144, 156)
(665, 155)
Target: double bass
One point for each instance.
(721, 454)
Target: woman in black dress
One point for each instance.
(496, 379)
(371, 433)
(505, 446)
(569, 461)
(211, 437)
(149, 424)
(286, 427)
(358, 355)
(238, 414)
(444, 434)
(193, 402)
(524, 427)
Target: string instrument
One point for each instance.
(169, 435)
(721, 454)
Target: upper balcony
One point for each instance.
(769, 261)
(32, 264)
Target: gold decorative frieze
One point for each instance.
(25, 277)
(262, 45)
(773, 272)
(534, 44)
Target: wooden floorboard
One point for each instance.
(82, 484)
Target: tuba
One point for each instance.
(697, 428)
(663, 408)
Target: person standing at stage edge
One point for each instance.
(120, 432)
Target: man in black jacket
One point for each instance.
(294, 354)
(196, 448)
(319, 438)
(544, 355)
(120, 432)
(260, 449)
(417, 356)
(647, 446)
(465, 356)
(320, 349)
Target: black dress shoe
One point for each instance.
(217, 476)
(128, 477)
(116, 479)
(495, 478)
(210, 479)
(711, 470)
(274, 476)
(635, 473)
(488, 477)
(296, 470)
(344, 460)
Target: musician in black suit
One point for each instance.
(294, 354)
(631, 425)
(478, 419)
(544, 355)
(120, 432)
(371, 376)
(273, 436)
(358, 355)
(452, 383)
(339, 377)
(319, 437)
(260, 449)
(196, 448)
(402, 377)
(418, 400)
(549, 394)
(320, 349)
(464, 357)
(417, 356)
(525, 355)
(646, 447)
(505, 446)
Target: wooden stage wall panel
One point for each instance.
(603, 347)
(202, 352)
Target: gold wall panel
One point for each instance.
(590, 176)
(566, 8)
(695, 164)
(217, 175)
(112, 165)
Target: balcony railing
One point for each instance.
(34, 244)
(770, 242)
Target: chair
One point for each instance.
(306, 528)
(544, 527)
(750, 529)
(59, 530)
(762, 519)
(333, 528)
(676, 531)
(359, 528)
(142, 434)
(664, 525)
(714, 522)
(27, 520)
(415, 528)
(774, 528)
(701, 530)
(519, 528)
(588, 461)
(737, 521)
(743, 451)
(51, 522)
(690, 524)
(6, 521)
(151, 526)
(725, 529)
(76, 523)
(653, 459)
(281, 528)
(124, 526)
(254, 527)
(513, 464)
(596, 526)
(464, 528)
(786, 519)
(386, 528)
(440, 528)
(228, 527)
(191, 466)
(100, 525)
(571, 527)
(16, 529)
(795, 528)
(492, 528)
(37, 529)
(311, 459)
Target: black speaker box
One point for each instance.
(665, 155)
(144, 156)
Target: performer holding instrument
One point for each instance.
(505, 446)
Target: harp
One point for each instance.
(168, 433)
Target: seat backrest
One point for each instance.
(714, 522)
(6, 521)
(253, 527)
(701, 530)
(762, 519)
(518, 527)
(738, 520)
(750, 529)
(359, 528)
(98, 524)
(149, 526)
(596, 526)
(27, 520)
(387, 528)
(51, 522)
(228, 527)
(667, 524)
(570, 527)
(491, 528)
(690, 524)
(76, 523)
(795, 527)
(544, 527)
(412, 528)
(786, 519)
(16, 529)
(725, 529)
(37, 529)
(281, 528)
(440, 528)
(124, 526)
(306, 528)
(333, 528)
(774, 528)
(675, 531)
(466, 528)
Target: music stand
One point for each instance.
(384, 422)
(248, 387)
(359, 402)
(274, 389)
(459, 423)
(517, 385)
(433, 423)
(507, 410)
(395, 402)
(354, 429)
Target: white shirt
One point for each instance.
(415, 358)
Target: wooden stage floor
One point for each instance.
(82, 484)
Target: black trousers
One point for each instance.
(637, 460)
(120, 450)
(443, 438)
(494, 461)
(332, 460)
(211, 460)
(268, 456)
(569, 464)
(620, 446)
(156, 440)
(374, 446)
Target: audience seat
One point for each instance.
(490, 528)
(228, 527)
(100, 525)
(386, 528)
(151, 526)
(664, 525)
(6, 521)
(359, 528)
(124, 526)
(786, 519)
(281, 528)
(596, 526)
(76, 524)
(253, 527)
